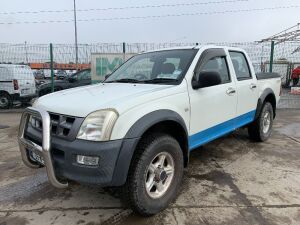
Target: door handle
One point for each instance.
(230, 91)
(252, 86)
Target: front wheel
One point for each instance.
(155, 174)
(5, 100)
(261, 128)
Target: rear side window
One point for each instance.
(240, 65)
(218, 64)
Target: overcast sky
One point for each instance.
(227, 27)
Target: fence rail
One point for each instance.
(65, 53)
(37, 56)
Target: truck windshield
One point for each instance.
(161, 67)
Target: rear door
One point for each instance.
(26, 81)
(246, 85)
(6, 80)
(213, 109)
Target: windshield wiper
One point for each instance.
(161, 80)
(125, 80)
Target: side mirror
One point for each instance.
(207, 79)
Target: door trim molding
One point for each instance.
(219, 130)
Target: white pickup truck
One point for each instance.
(137, 128)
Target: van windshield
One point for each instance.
(161, 67)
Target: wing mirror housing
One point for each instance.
(207, 79)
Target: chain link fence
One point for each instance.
(20, 57)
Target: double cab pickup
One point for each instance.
(137, 128)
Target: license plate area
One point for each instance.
(36, 157)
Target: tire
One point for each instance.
(295, 81)
(145, 201)
(5, 100)
(261, 129)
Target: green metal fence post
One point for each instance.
(124, 50)
(51, 67)
(272, 56)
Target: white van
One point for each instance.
(17, 83)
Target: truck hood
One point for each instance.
(83, 100)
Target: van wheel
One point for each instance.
(5, 100)
(155, 174)
(261, 128)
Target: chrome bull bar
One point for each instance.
(44, 150)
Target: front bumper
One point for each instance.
(60, 154)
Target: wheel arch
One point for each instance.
(4, 92)
(165, 121)
(267, 96)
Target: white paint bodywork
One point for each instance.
(200, 109)
(22, 74)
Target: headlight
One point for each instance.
(98, 125)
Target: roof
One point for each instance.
(13, 66)
(194, 47)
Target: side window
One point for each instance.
(240, 65)
(218, 64)
(87, 75)
(75, 76)
(84, 75)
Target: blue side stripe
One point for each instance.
(219, 130)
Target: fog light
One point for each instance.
(87, 160)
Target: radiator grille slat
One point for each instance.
(61, 125)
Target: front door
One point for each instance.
(213, 109)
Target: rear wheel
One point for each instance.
(5, 100)
(155, 174)
(261, 128)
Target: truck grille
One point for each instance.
(61, 125)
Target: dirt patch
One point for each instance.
(292, 130)
(16, 220)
